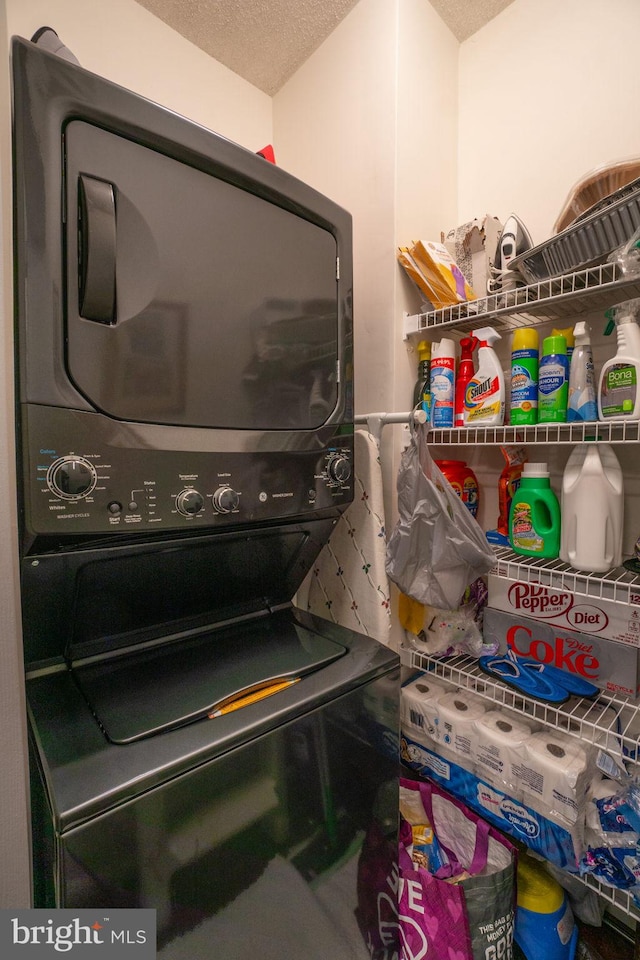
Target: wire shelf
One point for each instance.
(557, 298)
(618, 585)
(613, 431)
(611, 721)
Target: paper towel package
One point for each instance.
(611, 666)
(498, 746)
(596, 617)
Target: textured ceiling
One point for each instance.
(265, 41)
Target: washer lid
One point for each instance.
(201, 678)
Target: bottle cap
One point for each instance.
(535, 470)
(554, 344)
(424, 350)
(566, 332)
(525, 338)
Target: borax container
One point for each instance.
(592, 509)
(534, 518)
(443, 369)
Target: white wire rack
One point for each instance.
(610, 721)
(613, 431)
(618, 585)
(554, 299)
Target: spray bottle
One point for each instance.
(619, 386)
(443, 375)
(582, 404)
(484, 396)
(465, 372)
(524, 376)
(422, 389)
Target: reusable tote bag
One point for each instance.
(437, 549)
(473, 918)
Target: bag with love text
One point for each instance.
(456, 890)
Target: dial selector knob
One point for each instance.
(339, 469)
(71, 478)
(189, 502)
(225, 500)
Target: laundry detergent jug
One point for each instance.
(545, 928)
(592, 509)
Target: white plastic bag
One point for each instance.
(437, 549)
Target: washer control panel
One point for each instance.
(87, 486)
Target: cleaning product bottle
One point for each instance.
(464, 482)
(524, 376)
(619, 386)
(465, 372)
(569, 334)
(443, 375)
(422, 389)
(553, 381)
(582, 405)
(508, 483)
(545, 928)
(534, 518)
(592, 508)
(484, 396)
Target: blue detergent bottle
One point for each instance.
(545, 928)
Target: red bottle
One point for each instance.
(465, 372)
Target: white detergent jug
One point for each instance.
(592, 509)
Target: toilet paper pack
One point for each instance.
(418, 707)
(611, 666)
(457, 713)
(498, 748)
(555, 776)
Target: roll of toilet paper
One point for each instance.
(418, 708)
(456, 715)
(555, 776)
(498, 745)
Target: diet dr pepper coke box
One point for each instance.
(609, 665)
(597, 617)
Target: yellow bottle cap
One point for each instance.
(537, 889)
(424, 350)
(567, 333)
(525, 338)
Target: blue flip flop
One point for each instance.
(533, 683)
(570, 681)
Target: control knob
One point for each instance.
(189, 502)
(71, 478)
(339, 469)
(225, 500)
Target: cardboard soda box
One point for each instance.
(562, 608)
(609, 665)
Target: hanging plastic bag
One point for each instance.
(437, 548)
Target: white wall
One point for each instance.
(123, 42)
(334, 124)
(548, 91)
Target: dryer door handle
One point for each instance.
(97, 249)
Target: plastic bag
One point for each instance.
(437, 548)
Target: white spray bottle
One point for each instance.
(619, 386)
(484, 397)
